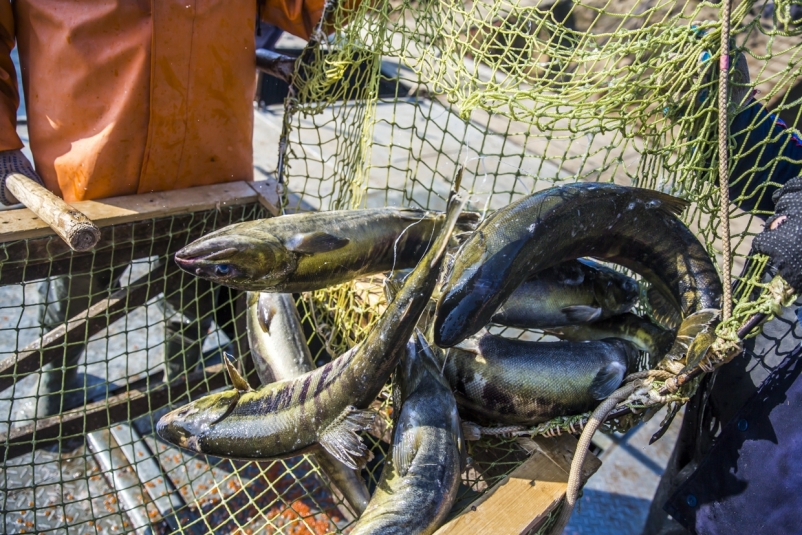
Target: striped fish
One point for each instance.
(279, 352)
(636, 228)
(420, 479)
(325, 406)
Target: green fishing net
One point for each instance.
(523, 95)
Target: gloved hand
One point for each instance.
(13, 161)
(781, 239)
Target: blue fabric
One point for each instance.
(267, 36)
(750, 481)
(757, 162)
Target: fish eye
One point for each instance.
(222, 270)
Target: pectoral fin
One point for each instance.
(468, 221)
(315, 242)
(662, 201)
(582, 313)
(341, 440)
(405, 446)
(698, 349)
(266, 311)
(461, 237)
(607, 380)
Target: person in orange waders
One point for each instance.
(126, 97)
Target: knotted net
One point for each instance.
(524, 95)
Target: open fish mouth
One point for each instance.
(187, 255)
(210, 264)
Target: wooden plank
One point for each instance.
(269, 194)
(106, 412)
(522, 501)
(23, 223)
(28, 260)
(80, 328)
(561, 450)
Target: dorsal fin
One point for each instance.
(237, 380)
(662, 201)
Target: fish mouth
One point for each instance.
(210, 264)
(187, 256)
(169, 429)
(187, 426)
(454, 321)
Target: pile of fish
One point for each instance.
(524, 266)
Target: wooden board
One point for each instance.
(269, 194)
(36, 258)
(126, 406)
(22, 223)
(521, 501)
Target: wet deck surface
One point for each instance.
(617, 498)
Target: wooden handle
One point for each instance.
(275, 64)
(71, 225)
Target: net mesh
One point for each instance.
(524, 94)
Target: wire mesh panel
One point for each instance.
(524, 94)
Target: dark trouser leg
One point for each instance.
(716, 402)
(188, 311)
(226, 315)
(680, 464)
(62, 298)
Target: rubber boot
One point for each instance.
(189, 313)
(60, 387)
(181, 352)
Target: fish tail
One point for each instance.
(455, 204)
(694, 326)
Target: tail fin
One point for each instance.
(697, 326)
